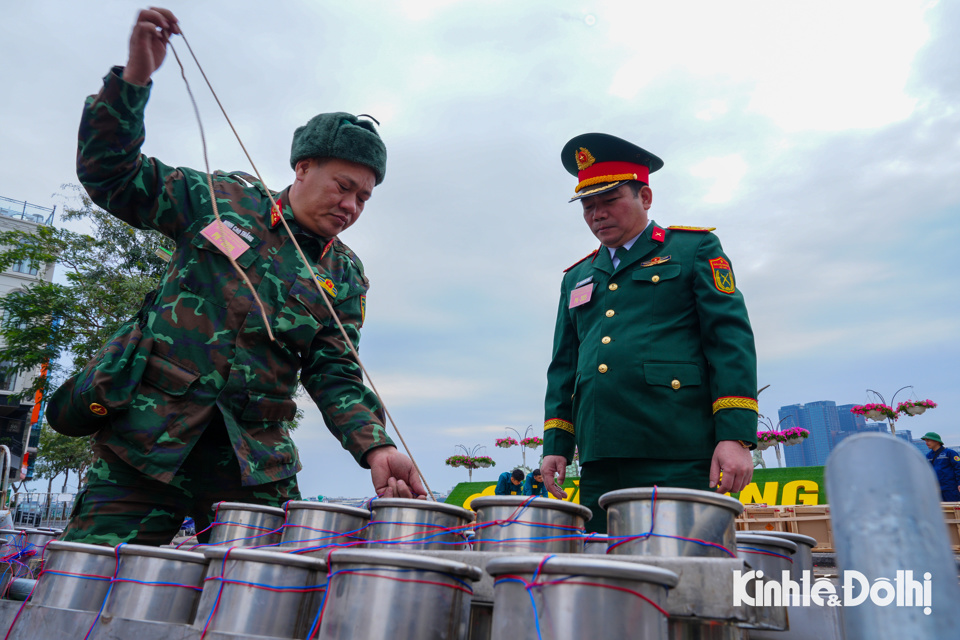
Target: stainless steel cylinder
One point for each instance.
(803, 558)
(39, 537)
(159, 585)
(596, 543)
(771, 558)
(382, 595)
(312, 528)
(890, 539)
(770, 554)
(676, 523)
(75, 576)
(246, 525)
(259, 593)
(569, 598)
(519, 523)
(400, 523)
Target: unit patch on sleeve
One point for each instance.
(722, 275)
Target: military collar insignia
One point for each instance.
(276, 213)
(658, 234)
(584, 159)
(655, 261)
(584, 281)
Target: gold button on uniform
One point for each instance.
(675, 384)
(602, 368)
(655, 279)
(610, 313)
(613, 287)
(606, 340)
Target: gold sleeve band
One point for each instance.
(735, 402)
(556, 423)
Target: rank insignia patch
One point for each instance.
(584, 159)
(275, 215)
(327, 285)
(722, 275)
(655, 261)
(658, 234)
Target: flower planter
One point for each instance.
(763, 446)
(794, 440)
(915, 410)
(873, 414)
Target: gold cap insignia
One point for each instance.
(584, 159)
(98, 409)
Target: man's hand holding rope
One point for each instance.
(148, 44)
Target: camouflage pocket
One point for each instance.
(168, 376)
(262, 408)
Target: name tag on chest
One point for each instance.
(224, 239)
(581, 296)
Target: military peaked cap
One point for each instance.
(602, 162)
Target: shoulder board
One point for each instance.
(697, 229)
(340, 247)
(589, 255)
(248, 181)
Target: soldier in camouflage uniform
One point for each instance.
(206, 422)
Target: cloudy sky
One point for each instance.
(820, 138)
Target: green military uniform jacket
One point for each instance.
(210, 346)
(660, 362)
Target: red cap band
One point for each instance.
(599, 169)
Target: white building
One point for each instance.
(16, 416)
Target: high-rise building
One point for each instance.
(829, 424)
(822, 421)
(19, 419)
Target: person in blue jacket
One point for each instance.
(946, 464)
(533, 485)
(510, 483)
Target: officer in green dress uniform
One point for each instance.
(654, 371)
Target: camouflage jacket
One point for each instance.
(211, 349)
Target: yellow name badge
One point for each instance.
(326, 284)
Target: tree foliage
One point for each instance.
(107, 273)
(57, 453)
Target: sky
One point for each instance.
(819, 138)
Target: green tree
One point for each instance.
(57, 453)
(107, 273)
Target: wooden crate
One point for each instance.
(951, 514)
(761, 518)
(813, 521)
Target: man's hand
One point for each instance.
(554, 465)
(393, 474)
(736, 464)
(148, 44)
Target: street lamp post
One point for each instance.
(893, 429)
(764, 420)
(523, 449)
(470, 453)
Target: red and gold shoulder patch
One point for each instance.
(722, 275)
(658, 234)
(697, 229)
(589, 255)
(275, 214)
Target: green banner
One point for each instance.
(789, 486)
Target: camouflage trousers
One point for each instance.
(602, 476)
(119, 504)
